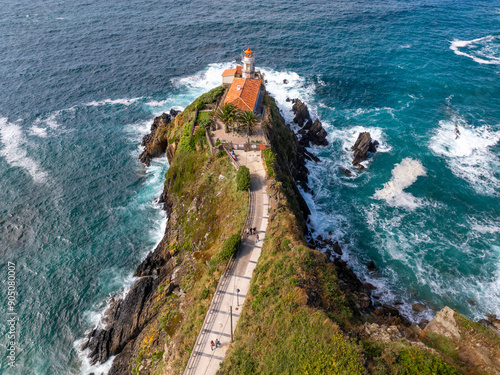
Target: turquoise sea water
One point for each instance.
(80, 83)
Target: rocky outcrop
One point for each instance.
(362, 146)
(155, 143)
(311, 132)
(444, 324)
(127, 317)
(300, 111)
(474, 346)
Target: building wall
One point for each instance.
(258, 103)
(227, 80)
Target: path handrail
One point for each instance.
(229, 265)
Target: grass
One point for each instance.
(200, 203)
(279, 331)
(202, 116)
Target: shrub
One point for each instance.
(204, 293)
(230, 247)
(221, 153)
(269, 159)
(243, 178)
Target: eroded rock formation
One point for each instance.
(155, 143)
(362, 146)
(311, 132)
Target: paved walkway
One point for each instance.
(220, 134)
(234, 286)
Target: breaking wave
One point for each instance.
(485, 50)
(404, 175)
(467, 152)
(14, 151)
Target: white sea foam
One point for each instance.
(468, 153)
(86, 368)
(404, 175)
(485, 50)
(120, 282)
(297, 87)
(200, 82)
(14, 150)
(39, 132)
(125, 102)
(157, 103)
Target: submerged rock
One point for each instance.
(418, 307)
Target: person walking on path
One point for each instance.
(257, 238)
(248, 231)
(212, 344)
(217, 343)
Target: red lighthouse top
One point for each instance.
(248, 51)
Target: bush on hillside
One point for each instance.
(243, 178)
(269, 159)
(230, 247)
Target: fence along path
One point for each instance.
(235, 283)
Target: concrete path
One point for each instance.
(234, 286)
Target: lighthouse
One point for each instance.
(248, 60)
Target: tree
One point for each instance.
(226, 114)
(248, 120)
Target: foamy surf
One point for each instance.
(14, 151)
(404, 175)
(467, 152)
(124, 102)
(485, 50)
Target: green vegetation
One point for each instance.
(243, 178)
(296, 318)
(269, 160)
(278, 323)
(227, 114)
(230, 247)
(209, 97)
(247, 120)
(200, 202)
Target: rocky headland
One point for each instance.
(298, 294)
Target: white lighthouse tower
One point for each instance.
(248, 60)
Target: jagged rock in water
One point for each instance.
(371, 266)
(301, 112)
(128, 319)
(156, 142)
(317, 134)
(362, 146)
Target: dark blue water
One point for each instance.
(80, 83)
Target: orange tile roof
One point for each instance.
(245, 98)
(232, 72)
